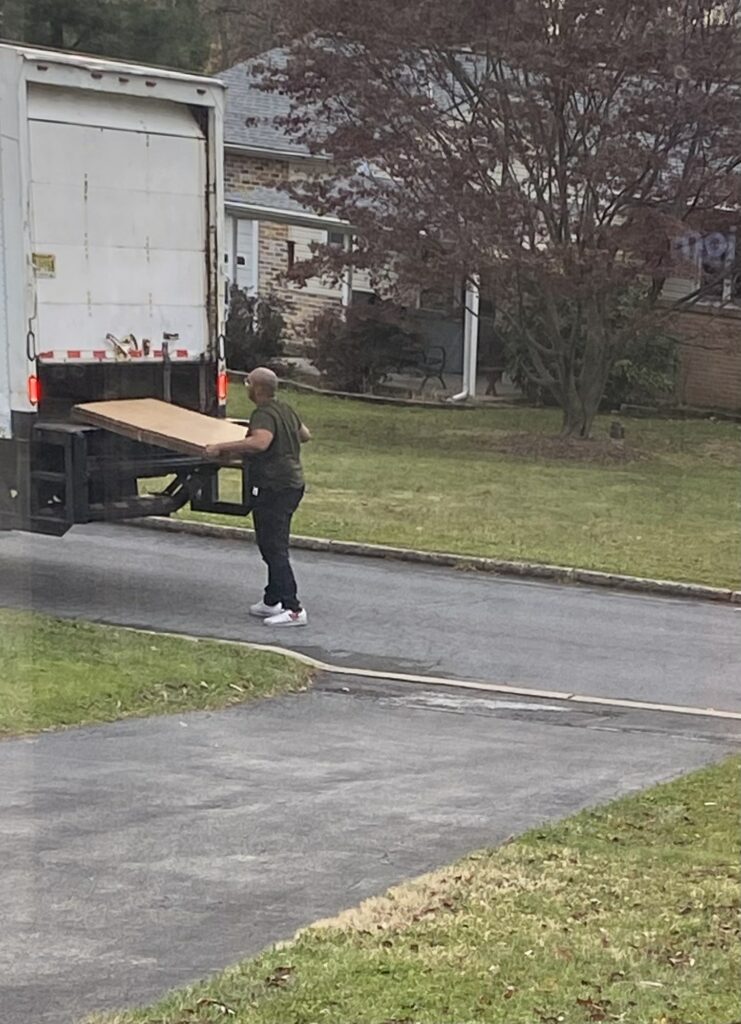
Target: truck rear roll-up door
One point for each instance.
(119, 220)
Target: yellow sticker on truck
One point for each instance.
(44, 264)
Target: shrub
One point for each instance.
(646, 374)
(254, 330)
(356, 352)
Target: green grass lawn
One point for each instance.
(434, 479)
(629, 914)
(55, 673)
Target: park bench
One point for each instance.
(428, 361)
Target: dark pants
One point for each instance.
(272, 518)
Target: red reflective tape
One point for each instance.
(74, 353)
(46, 355)
(136, 353)
(222, 387)
(182, 353)
(100, 354)
(157, 353)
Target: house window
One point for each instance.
(291, 253)
(719, 267)
(336, 238)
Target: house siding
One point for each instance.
(244, 173)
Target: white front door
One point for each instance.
(242, 239)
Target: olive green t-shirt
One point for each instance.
(280, 466)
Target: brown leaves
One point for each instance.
(550, 1018)
(216, 1004)
(281, 977)
(681, 959)
(193, 1014)
(434, 908)
(594, 1009)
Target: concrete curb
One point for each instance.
(508, 689)
(495, 566)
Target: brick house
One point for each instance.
(267, 231)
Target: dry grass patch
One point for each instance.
(543, 446)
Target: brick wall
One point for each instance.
(301, 305)
(709, 358)
(243, 173)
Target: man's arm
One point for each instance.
(304, 434)
(256, 441)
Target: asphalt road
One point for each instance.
(146, 854)
(383, 615)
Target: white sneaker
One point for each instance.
(288, 619)
(264, 611)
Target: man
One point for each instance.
(274, 438)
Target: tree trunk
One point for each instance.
(585, 391)
(578, 417)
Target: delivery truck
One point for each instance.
(111, 283)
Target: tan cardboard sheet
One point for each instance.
(156, 422)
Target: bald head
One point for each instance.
(262, 384)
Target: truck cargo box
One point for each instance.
(111, 276)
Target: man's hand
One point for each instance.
(253, 444)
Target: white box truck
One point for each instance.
(111, 287)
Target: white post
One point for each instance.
(256, 256)
(473, 300)
(347, 278)
(470, 339)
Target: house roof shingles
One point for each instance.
(245, 101)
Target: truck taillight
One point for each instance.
(222, 388)
(34, 390)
